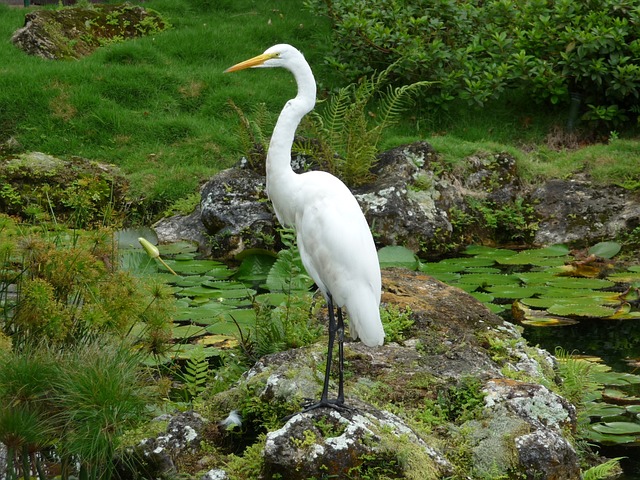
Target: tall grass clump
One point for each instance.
(75, 330)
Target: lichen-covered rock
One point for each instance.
(576, 211)
(75, 32)
(156, 457)
(418, 201)
(335, 443)
(545, 454)
(236, 214)
(36, 184)
(178, 228)
(525, 425)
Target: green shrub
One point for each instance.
(476, 50)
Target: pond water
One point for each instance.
(617, 342)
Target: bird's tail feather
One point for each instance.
(364, 320)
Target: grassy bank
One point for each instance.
(158, 106)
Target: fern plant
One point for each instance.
(196, 373)
(346, 132)
(253, 140)
(608, 469)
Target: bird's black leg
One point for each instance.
(340, 331)
(335, 328)
(324, 399)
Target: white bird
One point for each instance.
(333, 237)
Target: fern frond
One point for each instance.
(196, 372)
(609, 469)
(394, 102)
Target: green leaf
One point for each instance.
(617, 428)
(468, 262)
(183, 332)
(581, 310)
(578, 282)
(487, 279)
(603, 410)
(507, 291)
(397, 256)
(194, 267)
(255, 267)
(440, 268)
(605, 249)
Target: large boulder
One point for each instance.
(577, 211)
(35, 185)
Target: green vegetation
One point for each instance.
(475, 51)
(159, 106)
(155, 106)
(79, 315)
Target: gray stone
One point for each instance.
(577, 211)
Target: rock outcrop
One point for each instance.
(419, 202)
(78, 31)
(441, 403)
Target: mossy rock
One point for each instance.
(36, 186)
(69, 33)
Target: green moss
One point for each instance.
(77, 31)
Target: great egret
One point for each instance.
(333, 237)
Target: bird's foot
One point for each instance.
(310, 405)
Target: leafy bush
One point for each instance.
(476, 50)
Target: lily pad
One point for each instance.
(581, 310)
(177, 248)
(547, 321)
(487, 279)
(509, 291)
(579, 282)
(616, 378)
(397, 256)
(185, 332)
(482, 296)
(607, 438)
(605, 249)
(604, 410)
(617, 428)
(194, 267)
(255, 267)
(489, 252)
(495, 308)
(468, 262)
(440, 268)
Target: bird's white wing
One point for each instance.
(338, 251)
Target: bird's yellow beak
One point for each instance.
(252, 62)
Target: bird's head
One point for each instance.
(281, 55)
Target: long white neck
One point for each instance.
(280, 175)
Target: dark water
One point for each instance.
(616, 342)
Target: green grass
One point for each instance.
(158, 106)
(155, 106)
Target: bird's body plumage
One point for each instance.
(334, 240)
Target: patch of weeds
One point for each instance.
(396, 322)
(456, 404)
(329, 427)
(183, 206)
(397, 457)
(249, 464)
(510, 222)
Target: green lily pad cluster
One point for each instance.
(550, 286)
(542, 287)
(216, 302)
